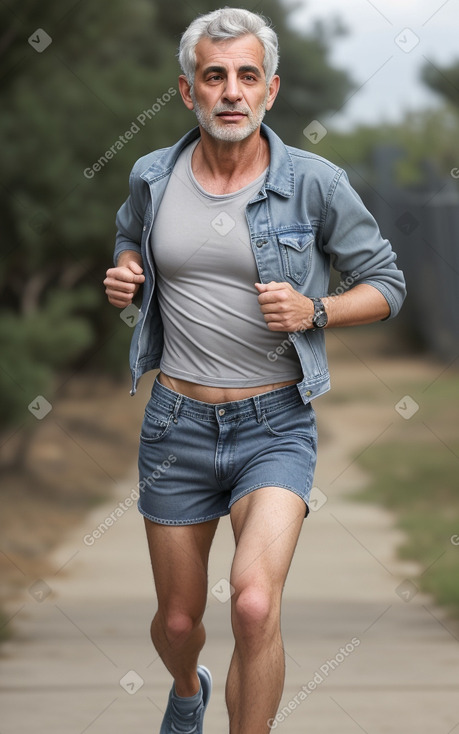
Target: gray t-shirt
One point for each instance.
(214, 331)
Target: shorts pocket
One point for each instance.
(156, 424)
(297, 420)
(296, 254)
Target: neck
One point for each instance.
(222, 160)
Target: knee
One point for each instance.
(253, 611)
(178, 626)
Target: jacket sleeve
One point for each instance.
(357, 250)
(130, 216)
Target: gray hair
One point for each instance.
(224, 24)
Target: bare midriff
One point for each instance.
(207, 394)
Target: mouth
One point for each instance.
(231, 116)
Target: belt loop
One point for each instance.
(258, 408)
(177, 405)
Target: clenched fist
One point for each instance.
(283, 308)
(123, 282)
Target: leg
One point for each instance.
(179, 557)
(266, 525)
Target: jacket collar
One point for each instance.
(280, 177)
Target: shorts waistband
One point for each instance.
(255, 406)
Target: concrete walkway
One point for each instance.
(365, 653)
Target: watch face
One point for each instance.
(321, 320)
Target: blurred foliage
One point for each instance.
(62, 108)
(36, 344)
(426, 141)
(443, 80)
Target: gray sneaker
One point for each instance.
(175, 722)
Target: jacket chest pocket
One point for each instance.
(296, 254)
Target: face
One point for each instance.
(230, 95)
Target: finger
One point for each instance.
(272, 286)
(119, 302)
(139, 279)
(138, 276)
(135, 267)
(120, 299)
(125, 275)
(279, 310)
(119, 286)
(276, 317)
(274, 326)
(272, 297)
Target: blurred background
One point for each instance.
(87, 88)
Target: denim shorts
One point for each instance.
(196, 459)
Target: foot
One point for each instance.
(176, 722)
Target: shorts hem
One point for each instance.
(193, 521)
(267, 484)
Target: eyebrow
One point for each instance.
(242, 70)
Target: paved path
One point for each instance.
(85, 629)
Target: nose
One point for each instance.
(232, 92)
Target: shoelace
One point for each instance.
(184, 723)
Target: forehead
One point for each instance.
(233, 52)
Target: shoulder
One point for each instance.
(319, 176)
(145, 162)
(307, 161)
(160, 162)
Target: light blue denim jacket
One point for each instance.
(304, 219)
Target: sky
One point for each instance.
(387, 43)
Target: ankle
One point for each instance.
(187, 687)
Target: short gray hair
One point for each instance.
(222, 25)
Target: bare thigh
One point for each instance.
(266, 525)
(179, 558)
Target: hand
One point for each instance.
(122, 283)
(284, 308)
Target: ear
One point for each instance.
(185, 87)
(273, 90)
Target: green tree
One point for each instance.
(443, 80)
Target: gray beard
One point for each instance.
(229, 133)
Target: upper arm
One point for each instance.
(353, 241)
(129, 218)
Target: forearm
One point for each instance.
(363, 304)
(127, 256)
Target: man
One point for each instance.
(231, 234)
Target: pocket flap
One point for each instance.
(299, 242)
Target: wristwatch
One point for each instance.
(320, 318)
